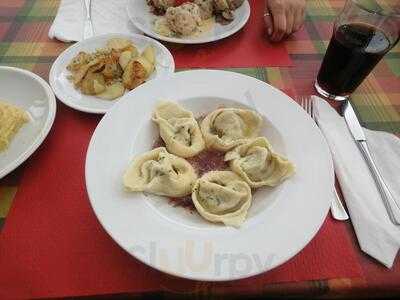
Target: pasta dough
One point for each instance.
(226, 128)
(178, 129)
(222, 196)
(161, 173)
(11, 120)
(257, 163)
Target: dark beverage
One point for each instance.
(353, 52)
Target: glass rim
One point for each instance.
(382, 12)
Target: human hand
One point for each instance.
(283, 17)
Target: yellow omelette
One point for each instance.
(11, 120)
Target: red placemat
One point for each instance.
(52, 245)
(247, 48)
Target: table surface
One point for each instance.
(24, 25)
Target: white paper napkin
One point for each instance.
(108, 16)
(376, 234)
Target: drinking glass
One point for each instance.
(362, 35)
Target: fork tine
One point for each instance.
(311, 107)
(306, 104)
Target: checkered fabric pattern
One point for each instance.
(24, 43)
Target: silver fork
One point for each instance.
(88, 26)
(337, 209)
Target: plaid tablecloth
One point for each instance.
(24, 25)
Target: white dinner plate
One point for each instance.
(72, 97)
(140, 15)
(31, 93)
(281, 220)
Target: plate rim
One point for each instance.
(192, 276)
(224, 35)
(46, 127)
(66, 99)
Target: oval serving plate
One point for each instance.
(72, 97)
(140, 16)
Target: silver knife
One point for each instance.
(392, 207)
(88, 26)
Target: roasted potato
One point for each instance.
(121, 45)
(97, 67)
(134, 75)
(125, 57)
(81, 59)
(150, 54)
(146, 65)
(112, 69)
(93, 84)
(133, 49)
(112, 91)
(82, 71)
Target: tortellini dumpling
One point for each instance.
(222, 196)
(178, 129)
(258, 164)
(226, 128)
(161, 173)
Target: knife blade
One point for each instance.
(352, 122)
(392, 207)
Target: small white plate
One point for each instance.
(140, 15)
(281, 220)
(72, 97)
(31, 93)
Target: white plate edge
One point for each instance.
(47, 125)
